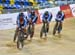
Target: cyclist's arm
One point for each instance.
(43, 17)
(63, 16)
(57, 16)
(35, 18)
(18, 22)
(49, 18)
(25, 24)
(26, 21)
(25, 18)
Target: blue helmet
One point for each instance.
(59, 12)
(21, 14)
(46, 12)
(32, 12)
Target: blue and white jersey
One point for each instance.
(19, 20)
(47, 17)
(32, 17)
(60, 16)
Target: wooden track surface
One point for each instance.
(53, 45)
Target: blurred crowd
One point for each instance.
(15, 5)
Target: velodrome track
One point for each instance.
(50, 46)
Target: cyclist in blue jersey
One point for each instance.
(59, 20)
(21, 23)
(47, 16)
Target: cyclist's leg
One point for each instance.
(32, 31)
(47, 27)
(60, 27)
(16, 33)
(44, 28)
(55, 28)
(33, 27)
(42, 31)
